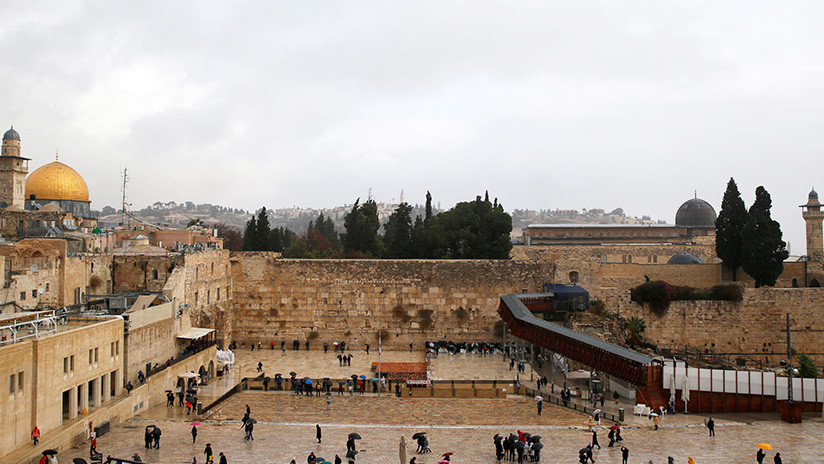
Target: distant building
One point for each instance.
(694, 223)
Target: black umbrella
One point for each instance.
(267, 379)
(191, 399)
(293, 374)
(168, 391)
(354, 436)
(497, 437)
(251, 421)
(513, 436)
(156, 432)
(351, 454)
(418, 435)
(527, 435)
(354, 377)
(49, 451)
(192, 391)
(278, 374)
(536, 437)
(78, 461)
(520, 444)
(583, 451)
(538, 446)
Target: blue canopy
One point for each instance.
(569, 297)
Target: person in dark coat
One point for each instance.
(499, 448)
(624, 455)
(540, 406)
(194, 434)
(520, 450)
(350, 444)
(210, 456)
(317, 432)
(595, 440)
(777, 458)
(759, 456)
(711, 426)
(249, 428)
(589, 453)
(156, 437)
(338, 460)
(223, 458)
(611, 436)
(311, 458)
(147, 437)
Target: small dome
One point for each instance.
(11, 134)
(685, 258)
(695, 212)
(813, 195)
(56, 181)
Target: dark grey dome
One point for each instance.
(695, 213)
(813, 195)
(11, 134)
(685, 258)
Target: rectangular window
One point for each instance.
(217, 297)
(65, 365)
(90, 356)
(20, 381)
(117, 347)
(112, 349)
(71, 363)
(22, 296)
(95, 355)
(11, 384)
(47, 286)
(34, 293)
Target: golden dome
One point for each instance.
(56, 181)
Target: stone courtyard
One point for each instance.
(286, 425)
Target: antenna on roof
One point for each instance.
(696, 193)
(125, 177)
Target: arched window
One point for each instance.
(154, 274)
(573, 277)
(795, 282)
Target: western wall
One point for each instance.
(409, 301)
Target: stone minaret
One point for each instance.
(815, 238)
(13, 170)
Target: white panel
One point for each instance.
(744, 382)
(728, 378)
(693, 378)
(717, 380)
(781, 386)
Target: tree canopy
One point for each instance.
(729, 229)
(763, 250)
(361, 237)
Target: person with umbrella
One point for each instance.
(210, 456)
(318, 432)
(418, 437)
(194, 434)
(536, 451)
(539, 404)
(249, 427)
(655, 420)
(611, 436)
(147, 436)
(499, 448)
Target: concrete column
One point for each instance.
(105, 387)
(118, 382)
(95, 393)
(72, 402)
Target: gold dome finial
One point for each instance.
(56, 155)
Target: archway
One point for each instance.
(814, 283)
(211, 371)
(202, 373)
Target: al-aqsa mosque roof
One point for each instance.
(56, 181)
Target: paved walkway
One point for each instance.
(286, 430)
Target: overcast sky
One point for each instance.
(545, 104)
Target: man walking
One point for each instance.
(711, 426)
(595, 439)
(317, 432)
(624, 455)
(367, 348)
(260, 366)
(194, 434)
(210, 456)
(35, 435)
(540, 406)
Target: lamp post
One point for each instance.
(789, 364)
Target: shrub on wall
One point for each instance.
(807, 367)
(461, 314)
(635, 328)
(426, 318)
(400, 314)
(312, 335)
(658, 294)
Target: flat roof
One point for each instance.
(600, 226)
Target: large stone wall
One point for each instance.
(351, 300)
(754, 327)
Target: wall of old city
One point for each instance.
(16, 403)
(142, 272)
(154, 342)
(205, 285)
(754, 327)
(86, 275)
(351, 300)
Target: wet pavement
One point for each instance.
(286, 423)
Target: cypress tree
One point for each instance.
(249, 235)
(729, 229)
(262, 234)
(763, 252)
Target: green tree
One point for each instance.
(280, 239)
(428, 210)
(326, 227)
(232, 240)
(262, 233)
(806, 366)
(250, 235)
(729, 229)
(361, 237)
(635, 328)
(471, 230)
(763, 252)
(397, 238)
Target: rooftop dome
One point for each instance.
(51, 208)
(56, 181)
(695, 212)
(685, 258)
(813, 195)
(11, 134)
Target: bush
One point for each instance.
(658, 294)
(312, 335)
(806, 366)
(381, 335)
(635, 328)
(400, 314)
(597, 307)
(461, 314)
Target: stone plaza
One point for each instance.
(286, 425)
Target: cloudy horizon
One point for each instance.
(546, 105)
